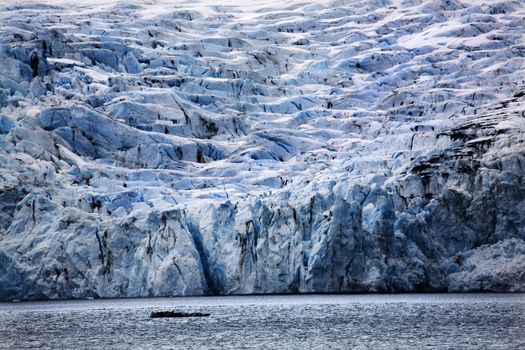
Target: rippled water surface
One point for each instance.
(440, 321)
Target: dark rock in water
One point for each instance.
(161, 314)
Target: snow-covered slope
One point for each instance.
(150, 148)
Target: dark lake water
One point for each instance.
(414, 321)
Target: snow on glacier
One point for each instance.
(159, 148)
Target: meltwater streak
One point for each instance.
(408, 321)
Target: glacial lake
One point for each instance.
(400, 321)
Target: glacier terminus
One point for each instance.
(157, 148)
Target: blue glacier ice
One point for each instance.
(161, 149)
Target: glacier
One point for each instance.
(156, 148)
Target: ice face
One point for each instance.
(161, 149)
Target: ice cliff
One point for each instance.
(155, 148)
